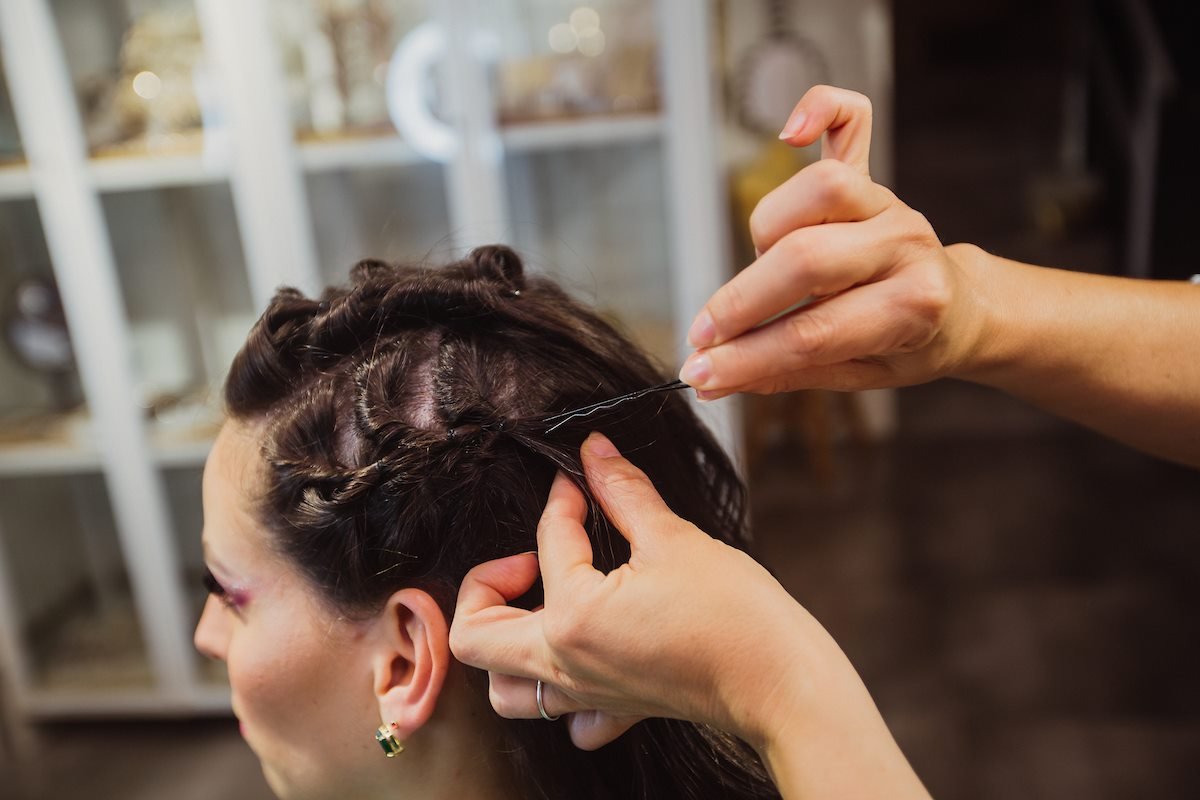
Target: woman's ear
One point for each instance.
(412, 659)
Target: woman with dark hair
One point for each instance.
(381, 442)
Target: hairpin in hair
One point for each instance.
(559, 420)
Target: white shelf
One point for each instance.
(335, 154)
(24, 460)
(136, 172)
(124, 173)
(59, 445)
(15, 182)
(55, 457)
(583, 132)
(129, 173)
(319, 156)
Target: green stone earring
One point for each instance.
(388, 741)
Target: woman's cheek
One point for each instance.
(258, 677)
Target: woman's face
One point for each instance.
(301, 676)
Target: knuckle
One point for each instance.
(625, 481)
(761, 223)
(834, 181)
(803, 266)
(863, 102)
(463, 644)
(501, 704)
(795, 250)
(564, 633)
(934, 296)
(927, 304)
(728, 305)
(808, 333)
(460, 648)
(824, 93)
(836, 94)
(918, 229)
(563, 680)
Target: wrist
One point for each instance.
(826, 737)
(976, 330)
(804, 669)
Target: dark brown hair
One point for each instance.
(406, 443)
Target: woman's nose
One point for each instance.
(211, 634)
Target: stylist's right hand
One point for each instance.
(689, 628)
(890, 305)
(667, 634)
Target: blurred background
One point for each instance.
(1017, 593)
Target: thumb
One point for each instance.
(624, 493)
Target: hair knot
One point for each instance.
(499, 264)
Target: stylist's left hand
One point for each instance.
(690, 628)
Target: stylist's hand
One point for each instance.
(892, 305)
(689, 628)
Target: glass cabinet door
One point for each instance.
(67, 616)
(370, 192)
(576, 101)
(152, 120)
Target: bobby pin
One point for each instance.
(559, 420)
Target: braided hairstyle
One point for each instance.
(404, 434)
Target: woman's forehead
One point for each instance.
(232, 478)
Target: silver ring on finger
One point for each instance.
(542, 708)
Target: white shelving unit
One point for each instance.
(134, 173)
(164, 259)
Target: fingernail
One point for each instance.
(599, 445)
(697, 370)
(708, 397)
(702, 332)
(793, 125)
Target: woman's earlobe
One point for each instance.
(412, 660)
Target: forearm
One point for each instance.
(819, 732)
(1119, 355)
(852, 755)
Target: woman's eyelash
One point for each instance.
(213, 587)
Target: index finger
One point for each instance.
(490, 634)
(843, 115)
